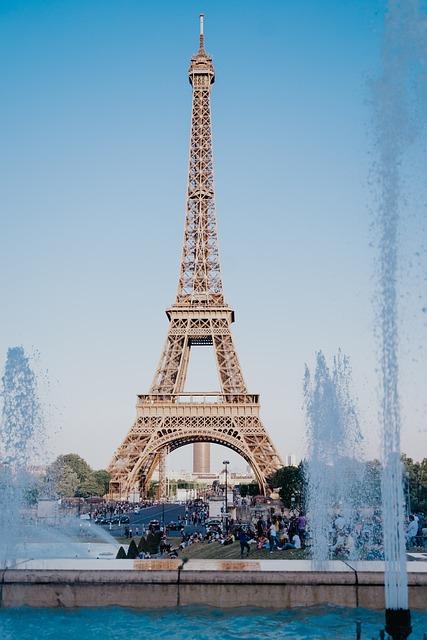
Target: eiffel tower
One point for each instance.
(168, 418)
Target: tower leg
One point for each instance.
(161, 491)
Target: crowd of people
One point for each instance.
(361, 537)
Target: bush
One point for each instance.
(121, 554)
(143, 545)
(153, 541)
(133, 550)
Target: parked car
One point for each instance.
(213, 522)
(120, 519)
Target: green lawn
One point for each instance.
(217, 551)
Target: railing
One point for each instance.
(199, 398)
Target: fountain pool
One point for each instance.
(195, 622)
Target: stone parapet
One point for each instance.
(149, 584)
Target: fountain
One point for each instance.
(21, 424)
(22, 534)
(395, 127)
(334, 454)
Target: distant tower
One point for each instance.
(168, 418)
(201, 457)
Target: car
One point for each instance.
(120, 520)
(213, 522)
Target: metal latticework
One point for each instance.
(167, 418)
(200, 275)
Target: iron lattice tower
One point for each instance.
(168, 418)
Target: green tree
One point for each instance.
(121, 554)
(371, 484)
(70, 475)
(143, 545)
(152, 491)
(102, 478)
(78, 465)
(133, 550)
(153, 541)
(290, 483)
(61, 479)
(415, 482)
(250, 489)
(89, 487)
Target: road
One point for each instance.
(169, 511)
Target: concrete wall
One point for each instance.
(233, 583)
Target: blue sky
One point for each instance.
(94, 116)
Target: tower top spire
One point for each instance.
(202, 34)
(201, 62)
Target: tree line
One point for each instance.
(291, 484)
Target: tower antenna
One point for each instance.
(202, 35)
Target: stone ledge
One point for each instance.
(232, 583)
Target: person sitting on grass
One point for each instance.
(295, 544)
(262, 542)
(228, 540)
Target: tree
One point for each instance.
(70, 475)
(61, 479)
(250, 489)
(152, 491)
(133, 550)
(78, 465)
(290, 482)
(415, 477)
(89, 487)
(102, 478)
(371, 484)
(153, 541)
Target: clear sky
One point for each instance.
(94, 118)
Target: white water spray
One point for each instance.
(334, 453)
(21, 428)
(395, 127)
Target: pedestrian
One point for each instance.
(301, 525)
(244, 543)
(411, 532)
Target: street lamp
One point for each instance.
(226, 463)
(408, 494)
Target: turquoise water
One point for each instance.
(194, 622)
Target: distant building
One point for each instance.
(291, 461)
(201, 458)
